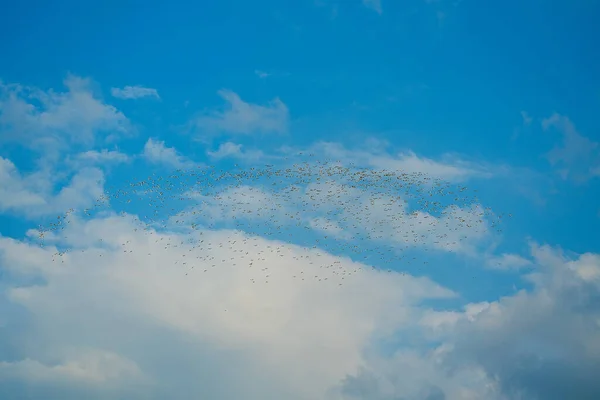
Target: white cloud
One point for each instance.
(507, 262)
(49, 120)
(415, 375)
(33, 195)
(240, 117)
(446, 169)
(134, 92)
(233, 150)
(542, 343)
(374, 155)
(538, 344)
(157, 152)
(203, 299)
(295, 336)
(351, 213)
(373, 5)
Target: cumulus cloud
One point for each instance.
(536, 344)
(134, 92)
(34, 195)
(240, 117)
(543, 343)
(49, 119)
(294, 336)
(155, 151)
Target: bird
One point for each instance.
(371, 217)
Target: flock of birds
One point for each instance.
(373, 217)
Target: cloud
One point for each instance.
(373, 5)
(90, 366)
(577, 157)
(349, 213)
(294, 337)
(134, 92)
(34, 195)
(537, 344)
(244, 118)
(417, 375)
(272, 317)
(507, 262)
(46, 120)
(97, 158)
(156, 152)
(374, 155)
(541, 343)
(233, 150)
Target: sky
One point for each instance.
(135, 133)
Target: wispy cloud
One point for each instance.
(527, 119)
(261, 74)
(449, 167)
(134, 92)
(578, 157)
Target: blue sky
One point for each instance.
(499, 98)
